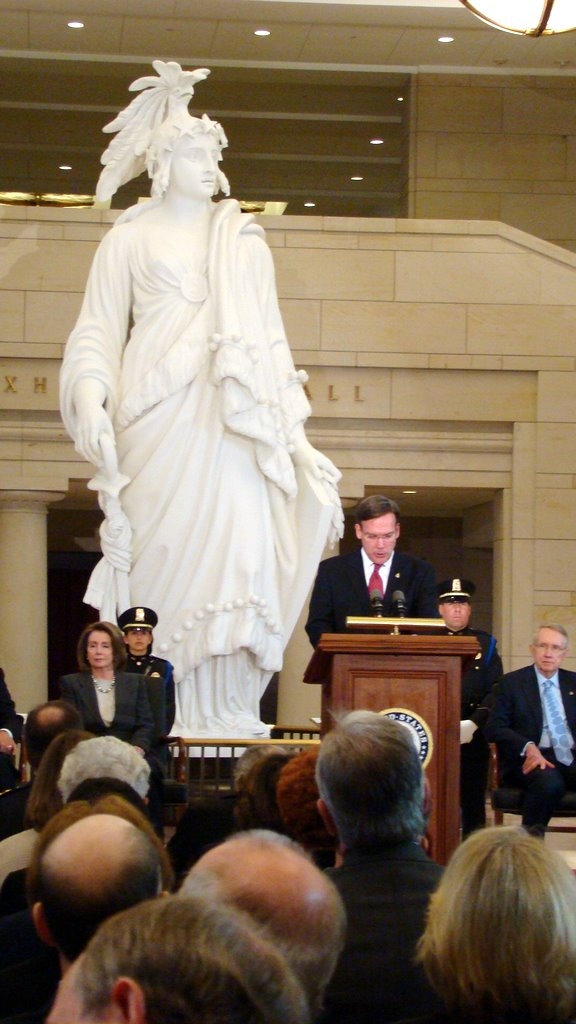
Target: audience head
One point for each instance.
(119, 653)
(272, 879)
(43, 723)
(500, 940)
(180, 961)
(297, 798)
(45, 798)
(89, 863)
(247, 758)
(371, 782)
(104, 756)
(92, 790)
(256, 805)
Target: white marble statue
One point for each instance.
(179, 385)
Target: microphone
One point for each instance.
(377, 602)
(399, 603)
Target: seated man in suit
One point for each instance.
(375, 579)
(533, 723)
(10, 730)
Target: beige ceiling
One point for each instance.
(299, 106)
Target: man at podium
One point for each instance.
(374, 580)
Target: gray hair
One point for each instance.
(555, 627)
(104, 756)
(370, 777)
(194, 961)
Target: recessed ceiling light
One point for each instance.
(445, 39)
(400, 99)
(75, 24)
(261, 32)
(376, 142)
(356, 177)
(409, 492)
(309, 204)
(65, 167)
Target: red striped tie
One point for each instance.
(375, 581)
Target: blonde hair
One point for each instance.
(500, 938)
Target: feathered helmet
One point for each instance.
(149, 128)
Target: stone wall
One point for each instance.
(496, 147)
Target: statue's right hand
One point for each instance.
(92, 420)
(92, 424)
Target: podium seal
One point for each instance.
(418, 728)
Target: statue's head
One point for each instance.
(149, 128)
(165, 140)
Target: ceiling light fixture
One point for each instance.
(65, 167)
(376, 142)
(445, 39)
(528, 18)
(356, 177)
(309, 204)
(261, 32)
(75, 24)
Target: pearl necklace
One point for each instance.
(103, 689)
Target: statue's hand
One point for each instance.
(91, 426)
(319, 466)
(92, 420)
(315, 462)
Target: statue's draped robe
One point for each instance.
(204, 398)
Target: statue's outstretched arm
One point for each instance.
(92, 420)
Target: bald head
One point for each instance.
(46, 721)
(273, 880)
(96, 867)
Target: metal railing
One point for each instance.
(207, 765)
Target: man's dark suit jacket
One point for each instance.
(517, 718)
(340, 590)
(12, 721)
(386, 895)
(132, 720)
(12, 808)
(9, 719)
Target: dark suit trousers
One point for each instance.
(8, 773)
(543, 789)
(474, 763)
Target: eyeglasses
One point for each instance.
(554, 648)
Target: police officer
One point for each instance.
(137, 624)
(454, 605)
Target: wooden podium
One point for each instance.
(416, 679)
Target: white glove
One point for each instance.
(467, 730)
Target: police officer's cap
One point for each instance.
(137, 618)
(455, 590)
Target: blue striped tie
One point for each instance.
(559, 734)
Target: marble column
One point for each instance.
(23, 593)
